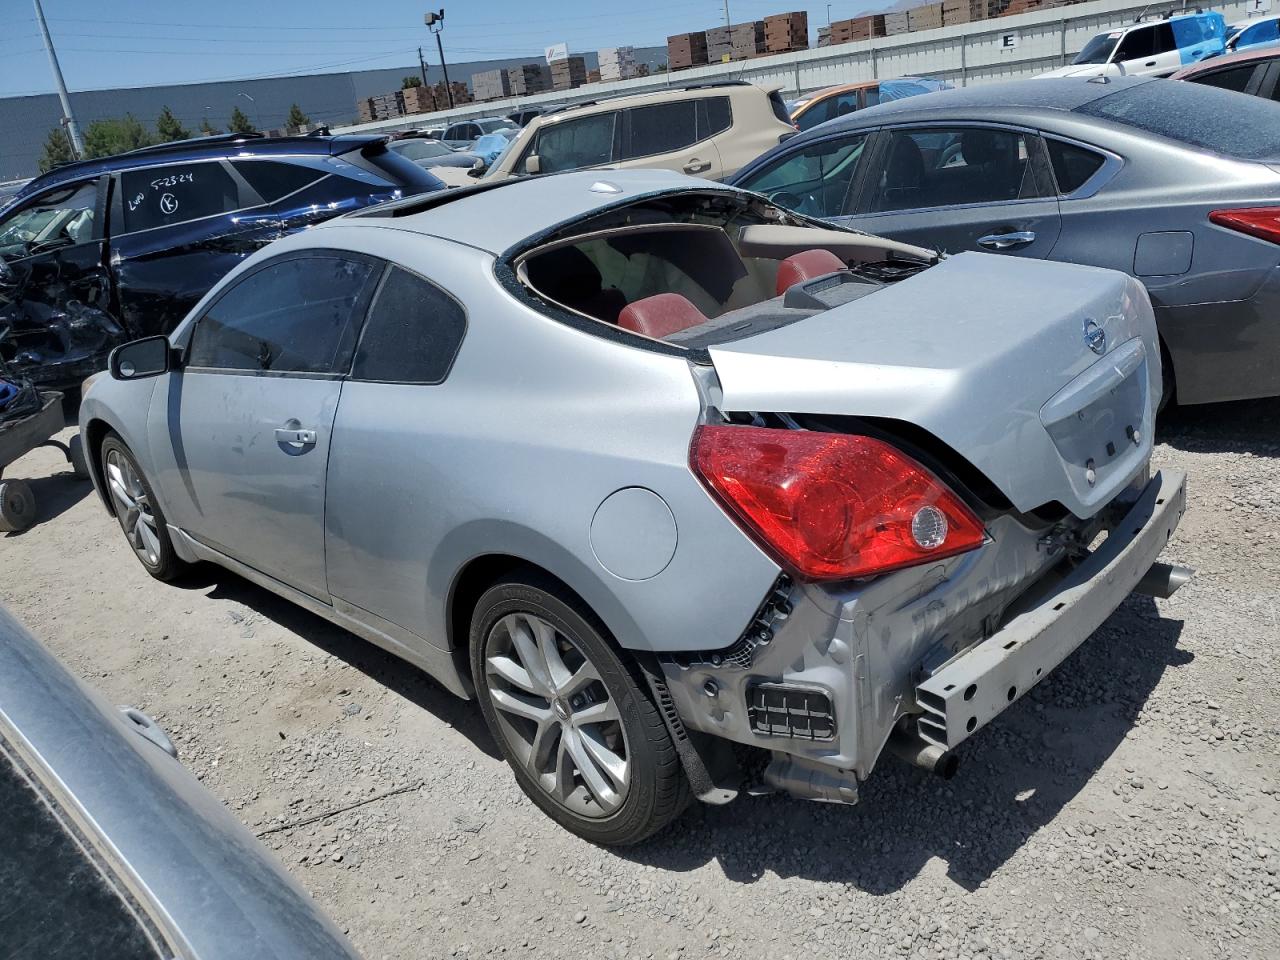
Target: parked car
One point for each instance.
(96, 253)
(1149, 47)
(9, 188)
(739, 438)
(462, 135)
(1255, 71)
(1251, 33)
(112, 849)
(442, 161)
(709, 130)
(1170, 182)
(831, 102)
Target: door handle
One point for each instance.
(1007, 241)
(1149, 63)
(697, 166)
(305, 437)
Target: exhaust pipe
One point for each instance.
(1163, 580)
(907, 745)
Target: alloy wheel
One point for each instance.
(556, 715)
(133, 508)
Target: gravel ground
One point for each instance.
(1128, 807)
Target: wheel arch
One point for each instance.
(93, 432)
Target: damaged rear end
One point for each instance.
(952, 472)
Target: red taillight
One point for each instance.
(833, 506)
(1260, 222)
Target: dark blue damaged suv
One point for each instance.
(96, 253)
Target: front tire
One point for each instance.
(136, 509)
(583, 738)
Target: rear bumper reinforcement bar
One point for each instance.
(969, 691)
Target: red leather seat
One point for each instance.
(805, 266)
(660, 315)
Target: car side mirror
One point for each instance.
(533, 165)
(148, 357)
(477, 169)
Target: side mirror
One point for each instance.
(148, 357)
(478, 169)
(532, 165)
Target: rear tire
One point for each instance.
(137, 511)
(572, 719)
(17, 506)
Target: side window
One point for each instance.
(815, 180)
(873, 96)
(941, 167)
(662, 128)
(1072, 165)
(60, 218)
(820, 112)
(571, 144)
(273, 180)
(715, 116)
(1235, 79)
(1137, 43)
(413, 332)
(1164, 39)
(293, 316)
(162, 196)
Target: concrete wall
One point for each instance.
(964, 54)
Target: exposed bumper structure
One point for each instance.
(845, 673)
(967, 693)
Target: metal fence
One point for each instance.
(1005, 48)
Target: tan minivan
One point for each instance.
(707, 130)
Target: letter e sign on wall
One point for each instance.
(1008, 41)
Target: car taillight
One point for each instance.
(1260, 222)
(832, 506)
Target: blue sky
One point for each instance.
(135, 43)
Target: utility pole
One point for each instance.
(435, 23)
(69, 118)
(422, 65)
(828, 14)
(727, 21)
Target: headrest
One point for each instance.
(805, 266)
(660, 315)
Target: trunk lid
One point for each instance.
(1045, 376)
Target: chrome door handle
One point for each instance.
(305, 437)
(697, 166)
(1006, 241)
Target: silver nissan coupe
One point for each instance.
(681, 486)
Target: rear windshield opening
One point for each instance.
(1244, 128)
(697, 273)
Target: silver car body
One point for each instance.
(564, 443)
(195, 880)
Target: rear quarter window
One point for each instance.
(413, 332)
(162, 196)
(1244, 128)
(1072, 165)
(273, 179)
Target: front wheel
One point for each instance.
(585, 742)
(140, 516)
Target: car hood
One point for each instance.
(989, 354)
(1080, 70)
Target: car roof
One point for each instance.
(1263, 51)
(497, 216)
(1057, 93)
(838, 88)
(661, 95)
(200, 148)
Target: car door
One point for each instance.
(818, 179)
(176, 230)
(666, 135)
(1148, 50)
(57, 319)
(963, 186)
(571, 144)
(250, 413)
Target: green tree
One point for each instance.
(410, 81)
(239, 122)
(105, 138)
(206, 128)
(170, 128)
(297, 119)
(57, 149)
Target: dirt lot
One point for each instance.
(1129, 807)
